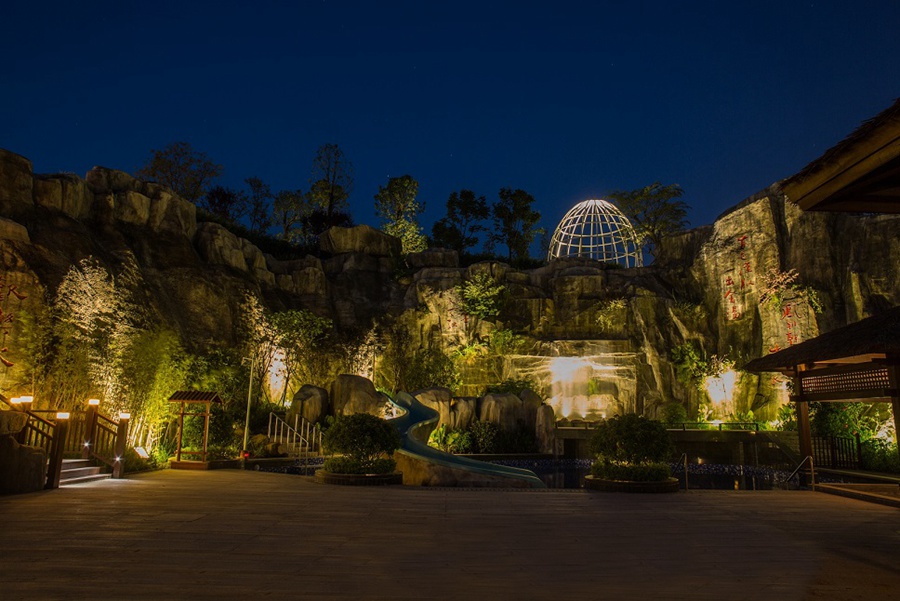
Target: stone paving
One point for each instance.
(248, 535)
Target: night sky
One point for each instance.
(565, 100)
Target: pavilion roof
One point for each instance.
(858, 342)
(861, 173)
(195, 396)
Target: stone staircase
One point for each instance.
(79, 471)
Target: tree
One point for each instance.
(258, 204)
(458, 229)
(318, 221)
(331, 180)
(288, 211)
(397, 206)
(178, 166)
(227, 203)
(515, 222)
(654, 211)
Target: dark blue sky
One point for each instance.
(565, 100)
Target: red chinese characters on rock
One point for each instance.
(788, 316)
(739, 280)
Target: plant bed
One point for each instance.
(324, 477)
(600, 484)
(216, 464)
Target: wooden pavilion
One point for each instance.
(204, 402)
(858, 362)
(859, 174)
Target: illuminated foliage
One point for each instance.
(398, 209)
(630, 439)
(481, 296)
(779, 287)
(363, 438)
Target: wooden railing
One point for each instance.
(837, 452)
(88, 433)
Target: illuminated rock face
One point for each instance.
(581, 379)
(596, 229)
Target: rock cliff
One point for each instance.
(613, 330)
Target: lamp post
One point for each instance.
(247, 418)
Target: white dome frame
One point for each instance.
(598, 230)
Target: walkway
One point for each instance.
(250, 535)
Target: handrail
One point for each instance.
(684, 461)
(92, 436)
(303, 435)
(812, 471)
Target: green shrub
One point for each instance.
(451, 440)
(632, 439)
(134, 462)
(362, 437)
(637, 472)
(512, 387)
(674, 413)
(486, 436)
(349, 465)
(481, 296)
(880, 456)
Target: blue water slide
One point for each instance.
(416, 424)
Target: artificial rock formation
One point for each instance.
(612, 331)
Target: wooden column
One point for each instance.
(205, 430)
(121, 438)
(90, 423)
(57, 447)
(180, 432)
(802, 407)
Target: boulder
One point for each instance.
(456, 413)
(132, 207)
(433, 257)
(101, 180)
(355, 394)
(10, 230)
(531, 402)
(505, 410)
(16, 183)
(22, 468)
(170, 213)
(359, 239)
(218, 246)
(63, 192)
(311, 403)
(545, 428)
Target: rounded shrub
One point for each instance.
(631, 438)
(362, 439)
(631, 447)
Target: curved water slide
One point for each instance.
(415, 426)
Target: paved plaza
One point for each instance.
(249, 535)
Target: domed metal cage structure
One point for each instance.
(596, 229)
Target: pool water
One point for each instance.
(570, 473)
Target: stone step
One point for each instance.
(76, 463)
(77, 472)
(84, 479)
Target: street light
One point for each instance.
(244, 453)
